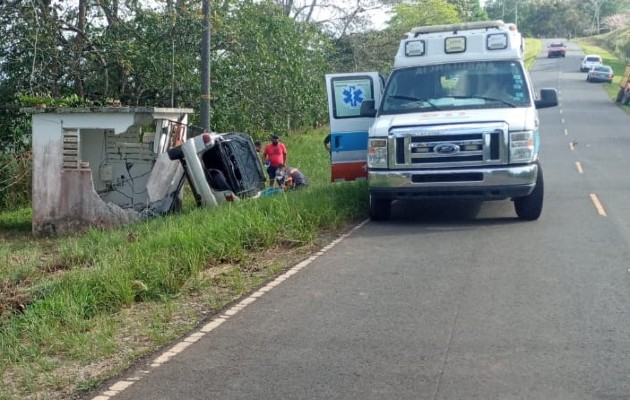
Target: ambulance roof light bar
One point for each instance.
(497, 24)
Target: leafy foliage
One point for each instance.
(268, 71)
(556, 18)
(423, 12)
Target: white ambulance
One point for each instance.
(457, 119)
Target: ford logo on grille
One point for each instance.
(446, 148)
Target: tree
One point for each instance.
(556, 17)
(413, 13)
(268, 71)
(469, 10)
(337, 18)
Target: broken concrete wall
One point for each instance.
(73, 150)
(64, 199)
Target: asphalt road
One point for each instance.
(451, 301)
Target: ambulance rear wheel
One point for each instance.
(380, 208)
(529, 208)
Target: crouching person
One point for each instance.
(290, 178)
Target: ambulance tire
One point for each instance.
(529, 208)
(380, 208)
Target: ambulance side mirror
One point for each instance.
(548, 98)
(368, 109)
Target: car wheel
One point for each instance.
(529, 208)
(175, 153)
(380, 208)
(619, 96)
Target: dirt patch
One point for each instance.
(12, 302)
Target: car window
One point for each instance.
(597, 59)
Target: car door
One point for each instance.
(348, 129)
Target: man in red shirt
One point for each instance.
(274, 155)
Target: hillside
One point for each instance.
(617, 42)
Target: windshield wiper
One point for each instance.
(487, 99)
(411, 98)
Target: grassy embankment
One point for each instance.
(77, 310)
(533, 47)
(80, 309)
(604, 46)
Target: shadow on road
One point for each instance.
(445, 212)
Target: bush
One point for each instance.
(15, 180)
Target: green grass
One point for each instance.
(85, 297)
(533, 48)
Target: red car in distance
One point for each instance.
(556, 50)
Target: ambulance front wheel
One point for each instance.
(380, 208)
(529, 208)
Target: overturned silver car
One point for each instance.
(220, 167)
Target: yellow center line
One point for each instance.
(598, 205)
(578, 165)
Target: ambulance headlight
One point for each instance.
(522, 147)
(377, 153)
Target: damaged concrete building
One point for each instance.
(103, 167)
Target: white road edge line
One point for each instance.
(123, 384)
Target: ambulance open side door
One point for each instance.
(348, 129)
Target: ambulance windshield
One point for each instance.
(464, 85)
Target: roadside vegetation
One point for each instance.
(614, 48)
(77, 310)
(533, 47)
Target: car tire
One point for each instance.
(379, 208)
(175, 153)
(529, 208)
(619, 96)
